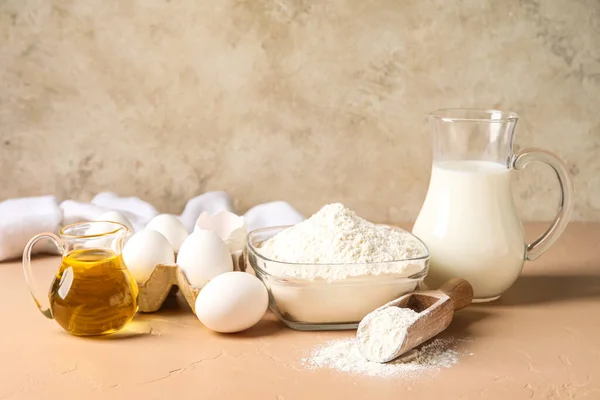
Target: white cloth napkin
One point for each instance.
(126, 205)
(211, 202)
(275, 213)
(22, 218)
(76, 211)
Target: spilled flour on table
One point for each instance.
(344, 355)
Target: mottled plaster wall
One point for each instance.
(304, 101)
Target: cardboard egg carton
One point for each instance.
(165, 278)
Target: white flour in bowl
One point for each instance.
(344, 355)
(344, 244)
(338, 267)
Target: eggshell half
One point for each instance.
(230, 227)
(232, 302)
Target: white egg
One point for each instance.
(232, 302)
(144, 250)
(171, 227)
(202, 256)
(114, 216)
(102, 227)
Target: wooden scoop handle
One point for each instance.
(460, 292)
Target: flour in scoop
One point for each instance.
(383, 331)
(344, 356)
(336, 236)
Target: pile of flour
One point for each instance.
(383, 331)
(336, 235)
(344, 355)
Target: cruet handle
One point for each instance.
(44, 305)
(543, 243)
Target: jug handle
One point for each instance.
(44, 306)
(543, 243)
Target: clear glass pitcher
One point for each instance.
(93, 292)
(468, 219)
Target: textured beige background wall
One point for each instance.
(305, 101)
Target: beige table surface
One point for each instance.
(540, 341)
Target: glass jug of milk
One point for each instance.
(468, 219)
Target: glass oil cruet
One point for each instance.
(93, 292)
(468, 219)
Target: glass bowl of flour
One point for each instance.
(329, 271)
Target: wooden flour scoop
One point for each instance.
(436, 310)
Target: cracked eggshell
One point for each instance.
(143, 251)
(203, 256)
(171, 228)
(232, 302)
(230, 227)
